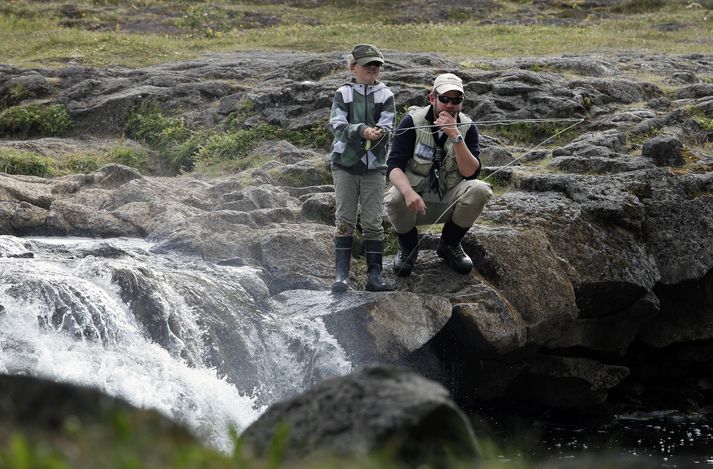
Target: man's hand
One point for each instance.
(447, 123)
(414, 202)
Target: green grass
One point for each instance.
(30, 38)
(14, 161)
(215, 151)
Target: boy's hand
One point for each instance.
(373, 133)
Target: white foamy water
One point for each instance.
(62, 317)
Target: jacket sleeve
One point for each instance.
(402, 148)
(472, 141)
(388, 113)
(339, 123)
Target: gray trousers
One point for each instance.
(354, 191)
(462, 205)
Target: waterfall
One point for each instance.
(196, 341)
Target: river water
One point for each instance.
(199, 343)
(196, 341)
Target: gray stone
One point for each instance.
(373, 409)
(664, 150)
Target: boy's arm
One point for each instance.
(388, 113)
(339, 123)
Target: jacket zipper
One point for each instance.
(366, 118)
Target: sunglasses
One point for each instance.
(373, 64)
(449, 99)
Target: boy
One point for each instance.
(361, 117)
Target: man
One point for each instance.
(433, 166)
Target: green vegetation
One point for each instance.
(533, 133)
(205, 20)
(213, 151)
(136, 158)
(138, 33)
(175, 144)
(705, 123)
(142, 440)
(35, 120)
(14, 161)
(13, 95)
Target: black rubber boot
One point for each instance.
(343, 256)
(408, 253)
(449, 248)
(373, 252)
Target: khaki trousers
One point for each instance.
(462, 205)
(359, 191)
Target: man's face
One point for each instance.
(450, 107)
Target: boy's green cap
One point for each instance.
(365, 53)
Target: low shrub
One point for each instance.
(209, 21)
(13, 161)
(179, 148)
(35, 120)
(175, 143)
(136, 158)
(13, 95)
(77, 163)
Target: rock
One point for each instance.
(484, 320)
(686, 314)
(698, 90)
(525, 270)
(600, 144)
(494, 156)
(580, 254)
(664, 150)
(567, 382)
(320, 208)
(29, 85)
(63, 416)
(686, 77)
(373, 410)
(371, 327)
(612, 333)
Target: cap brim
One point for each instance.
(366, 60)
(446, 88)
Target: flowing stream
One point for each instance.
(202, 344)
(194, 340)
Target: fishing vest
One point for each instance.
(418, 169)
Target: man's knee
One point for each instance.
(394, 203)
(477, 193)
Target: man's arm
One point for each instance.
(472, 143)
(401, 153)
(466, 151)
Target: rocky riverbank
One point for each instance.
(593, 283)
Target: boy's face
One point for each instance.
(366, 74)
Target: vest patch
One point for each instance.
(424, 151)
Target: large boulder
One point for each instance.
(374, 410)
(370, 327)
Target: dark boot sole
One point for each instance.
(403, 272)
(339, 287)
